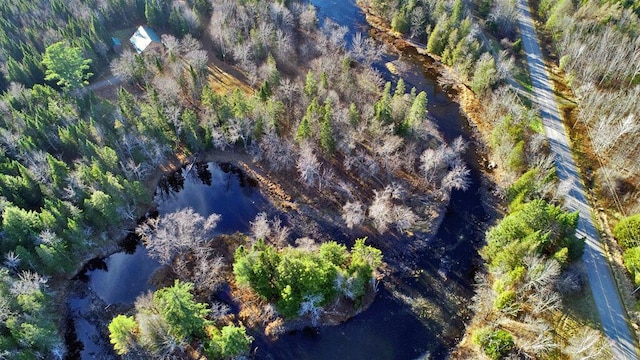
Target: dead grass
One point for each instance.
(224, 78)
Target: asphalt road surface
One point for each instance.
(612, 315)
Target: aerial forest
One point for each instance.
(77, 168)
(87, 131)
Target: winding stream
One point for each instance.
(391, 328)
(416, 312)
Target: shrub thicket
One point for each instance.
(293, 276)
(495, 343)
(627, 231)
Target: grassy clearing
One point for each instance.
(580, 312)
(522, 77)
(225, 79)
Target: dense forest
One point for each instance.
(75, 167)
(78, 170)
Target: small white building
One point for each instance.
(146, 40)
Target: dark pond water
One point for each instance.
(208, 188)
(211, 188)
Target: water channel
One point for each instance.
(208, 188)
(393, 327)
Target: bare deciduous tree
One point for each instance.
(353, 214)
(325, 177)
(404, 217)
(432, 162)
(537, 339)
(260, 226)
(540, 273)
(28, 283)
(457, 178)
(569, 282)
(11, 260)
(388, 154)
(381, 211)
(308, 165)
(206, 271)
(586, 346)
(280, 232)
(219, 310)
(310, 307)
(504, 15)
(125, 66)
(484, 296)
(198, 60)
(363, 163)
(308, 19)
(172, 234)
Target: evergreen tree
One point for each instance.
(304, 130)
(121, 333)
(354, 115)
(265, 91)
(485, 74)
(59, 171)
(400, 88)
(382, 108)
(418, 111)
(67, 65)
(311, 85)
(177, 22)
(185, 317)
(190, 131)
(229, 342)
(101, 209)
(20, 227)
(438, 38)
(327, 141)
(153, 13)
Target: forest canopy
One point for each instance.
(301, 281)
(75, 166)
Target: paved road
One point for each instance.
(612, 315)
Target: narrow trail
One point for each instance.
(111, 81)
(605, 292)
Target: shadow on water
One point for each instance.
(412, 314)
(387, 330)
(118, 279)
(222, 189)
